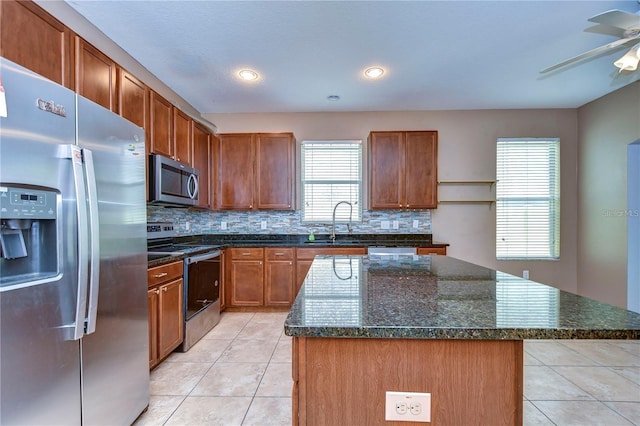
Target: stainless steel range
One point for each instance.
(202, 279)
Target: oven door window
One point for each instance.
(203, 287)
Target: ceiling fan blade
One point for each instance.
(592, 52)
(617, 18)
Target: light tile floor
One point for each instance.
(240, 374)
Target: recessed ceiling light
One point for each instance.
(374, 72)
(248, 75)
(333, 97)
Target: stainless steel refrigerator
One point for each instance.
(74, 342)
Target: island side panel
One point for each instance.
(343, 380)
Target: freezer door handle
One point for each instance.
(75, 153)
(94, 235)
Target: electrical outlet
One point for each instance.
(396, 224)
(384, 224)
(525, 274)
(223, 225)
(263, 224)
(416, 223)
(408, 406)
(187, 225)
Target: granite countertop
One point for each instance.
(439, 297)
(300, 241)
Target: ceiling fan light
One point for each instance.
(630, 60)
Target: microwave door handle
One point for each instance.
(94, 233)
(83, 240)
(192, 182)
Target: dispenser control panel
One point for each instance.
(22, 203)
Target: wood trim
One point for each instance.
(343, 381)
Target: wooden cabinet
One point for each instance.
(279, 276)
(160, 125)
(133, 99)
(246, 277)
(256, 171)
(166, 310)
(260, 277)
(304, 259)
(95, 75)
(202, 160)
(432, 250)
(31, 37)
(182, 136)
(275, 170)
(403, 170)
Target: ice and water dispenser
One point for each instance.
(28, 234)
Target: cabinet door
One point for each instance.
(279, 283)
(202, 162)
(421, 170)
(171, 317)
(153, 300)
(235, 171)
(36, 40)
(275, 171)
(302, 268)
(95, 75)
(132, 99)
(182, 138)
(247, 287)
(160, 125)
(386, 174)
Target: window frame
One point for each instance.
(525, 203)
(343, 216)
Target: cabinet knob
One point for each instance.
(279, 254)
(157, 291)
(165, 289)
(246, 254)
(160, 275)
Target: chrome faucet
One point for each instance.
(333, 232)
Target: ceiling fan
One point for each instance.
(627, 27)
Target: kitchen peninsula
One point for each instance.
(365, 325)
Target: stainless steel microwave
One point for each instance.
(172, 182)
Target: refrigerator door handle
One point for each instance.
(75, 153)
(94, 233)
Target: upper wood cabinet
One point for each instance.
(95, 75)
(202, 160)
(31, 37)
(256, 171)
(275, 169)
(160, 125)
(133, 99)
(182, 137)
(403, 170)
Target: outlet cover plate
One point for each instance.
(418, 406)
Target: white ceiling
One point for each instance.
(439, 55)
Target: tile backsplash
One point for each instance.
(193, 221)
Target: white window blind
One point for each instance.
(528, 199)
(331, 172)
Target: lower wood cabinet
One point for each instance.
(166, 310)
(432, 250)
(260, 277)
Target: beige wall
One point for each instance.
(606, 127)
(467, 141)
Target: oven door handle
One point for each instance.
(201, 257)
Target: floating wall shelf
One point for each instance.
(468, 182)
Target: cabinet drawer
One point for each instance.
(279, 254)
(310, 253)
(254, 253)
(432, 250)
(164, 273)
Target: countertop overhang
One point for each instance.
(439, 297)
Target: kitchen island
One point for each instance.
(365, 325)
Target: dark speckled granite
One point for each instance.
(438, 297)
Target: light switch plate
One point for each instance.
(384, 224)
